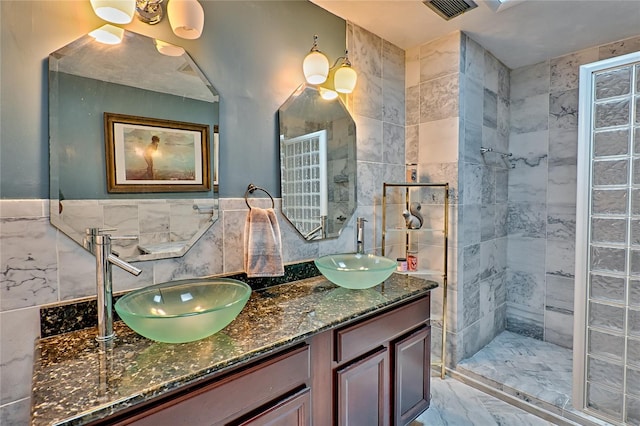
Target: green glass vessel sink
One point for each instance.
(354, 270)
(185, 310)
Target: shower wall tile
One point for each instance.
(488, 230)
(530, 81)
(560, 258)
(558, 328)
(488, 185)
(473, 100)
(527, 255)
(563, 149)
(491, 72)
(471, 143)
(561, 222)
(474, 60)
(526, 220)
(526, 289)
(501, 220)
(523, 321)
(528, 183)
(562, 184)
(618, 48)
(439, 98)
(559, 294)
(440, 57)
(530, 114)
(563, 110)
(490, 109)
(470, 224)
(502, 185)
(471, 303)
(565, 70)
(492, 257)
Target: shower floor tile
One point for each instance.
(539, 369)
(454, 403)
(531, 370)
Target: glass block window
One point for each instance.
(305, 183)
(613, 308)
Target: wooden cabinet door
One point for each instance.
(293, 411)
(363, 391)
(412, 368)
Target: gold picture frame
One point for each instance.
(155, 155)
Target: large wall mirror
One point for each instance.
(133, 133)
(317, 163)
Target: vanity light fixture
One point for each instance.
(114, 11)
(340, 78)
(108, 34)
(186, 18)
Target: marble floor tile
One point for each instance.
(537, 372)
(454, 403)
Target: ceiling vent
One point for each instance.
(450, 8)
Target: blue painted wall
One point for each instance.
(251, 51)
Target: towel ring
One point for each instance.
(250, 189)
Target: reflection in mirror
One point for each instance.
(317, 163)
(140, 77)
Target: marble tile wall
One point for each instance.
(40, 266)
(542, 192)
(432, 135)
(458, 101)
(485, 117)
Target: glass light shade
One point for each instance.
(186, 18)
(327, 94)
(345, 79)
(108, 34)
(168, 49)
(116, 11)
(315, 67)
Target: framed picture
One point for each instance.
(152, 155)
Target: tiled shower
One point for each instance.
(513, 222)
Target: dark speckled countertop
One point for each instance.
(76, 381)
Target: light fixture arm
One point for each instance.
(344, 58)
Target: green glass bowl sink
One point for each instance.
(185, 310)
(355, 271)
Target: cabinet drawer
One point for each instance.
(359, 338)
(236, 394)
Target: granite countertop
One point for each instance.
(76, 380)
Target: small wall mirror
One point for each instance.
(133, 134)
(317, 163)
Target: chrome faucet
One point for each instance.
(360, 234)
(99, 244)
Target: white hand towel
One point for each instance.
(262, 244)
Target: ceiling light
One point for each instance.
(115, 11)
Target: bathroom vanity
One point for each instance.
(301, 353)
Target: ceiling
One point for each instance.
(523, 34)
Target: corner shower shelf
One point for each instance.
(408, 233)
